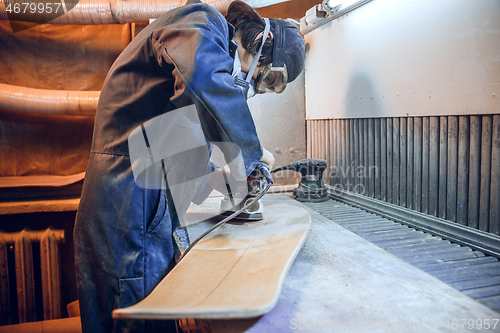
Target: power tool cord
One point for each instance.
(227, 219)
(264, 170)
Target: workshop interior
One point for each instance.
(390, 138)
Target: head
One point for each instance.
(284, 44)
(249, 29)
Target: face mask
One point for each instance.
(240, 79)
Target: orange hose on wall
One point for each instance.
(86, 12)
(89, 12)
(55, 102)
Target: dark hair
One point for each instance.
(248, 29)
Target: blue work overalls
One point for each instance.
(123, 232)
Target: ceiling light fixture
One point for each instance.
(327, 11)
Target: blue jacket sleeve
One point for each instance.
(194, 47)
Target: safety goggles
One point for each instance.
(271, 79)
(274, 77)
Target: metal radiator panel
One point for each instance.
(4, 284)
(21, 243)
(25, 280)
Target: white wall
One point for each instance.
(406, 57)
(280, 122)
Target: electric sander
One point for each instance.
(311, 187)
(255, 185)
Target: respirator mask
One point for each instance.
(240, 79)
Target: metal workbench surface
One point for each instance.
(342, 282)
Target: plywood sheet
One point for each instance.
(40, 181)
(237, 271)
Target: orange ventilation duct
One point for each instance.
(89, 12)
(56, 102)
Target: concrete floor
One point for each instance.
(341, 282)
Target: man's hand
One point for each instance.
(219, 176)
(268, 158)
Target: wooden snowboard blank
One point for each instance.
(236, 271)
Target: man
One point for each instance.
(123, 230)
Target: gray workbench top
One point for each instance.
(342, 282)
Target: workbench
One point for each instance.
(342, 282)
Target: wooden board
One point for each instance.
(40, 181)
(237, 271)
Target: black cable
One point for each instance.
(264, 171)
(227, 219)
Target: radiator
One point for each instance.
(21, 292)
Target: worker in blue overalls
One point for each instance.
(188, 56)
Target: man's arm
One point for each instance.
(196, 42)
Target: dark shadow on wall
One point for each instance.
(364, 98)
